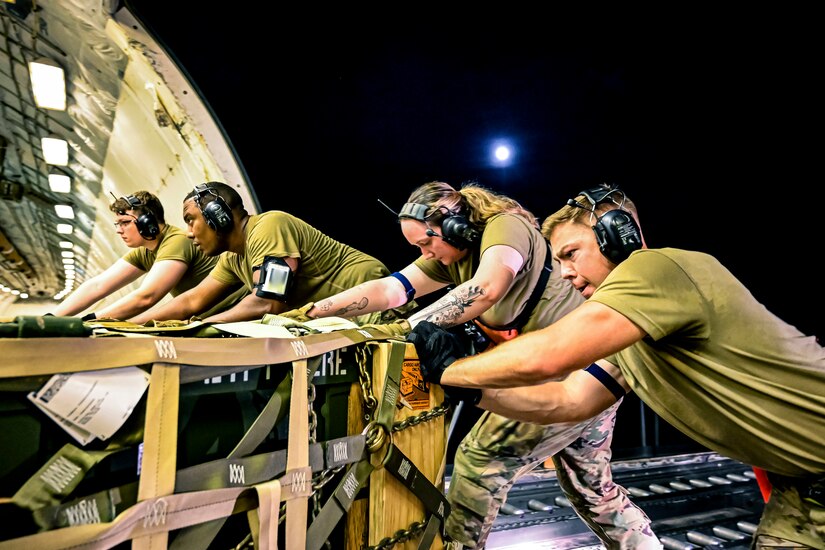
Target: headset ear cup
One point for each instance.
(217, 215)
(457, 231)
(618, 235)
(147, 226)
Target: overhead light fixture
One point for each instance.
(67, 254)
(48, 84)
(64, 211)
(60, 183)
(55, 150)
(64, 229)
(67, 260)
(66, 244)
(24, 295)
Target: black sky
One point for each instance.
(711, 123)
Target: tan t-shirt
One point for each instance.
(717, 364)
(174, 245)
(326, 266)
(559, 296)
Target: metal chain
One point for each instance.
(362, 355)
(324, 476)
(313, 438)
(402, 535)
(313, 418)
(426, 416)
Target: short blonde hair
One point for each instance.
(574, 214)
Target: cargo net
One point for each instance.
(164, 477)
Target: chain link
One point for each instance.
(402, 535)
(324, 476)
(426, 416)
(362, 355)
(313, 418)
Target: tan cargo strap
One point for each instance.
(265, 530)
(22, 357)
(160, 445)
(297, 457)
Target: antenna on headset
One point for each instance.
(396, 214)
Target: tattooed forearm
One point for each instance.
(447, 311)
(355, 306)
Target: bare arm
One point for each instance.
(252, 307)
(162, 277)
(493, 278)
(118, 275)
(191, 302)
(586, 334)
(578, 397)
(377, 295)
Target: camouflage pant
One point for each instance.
(497, 451)
(789, 520)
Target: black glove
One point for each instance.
(454, 394)
(437, 349)
(89, 317)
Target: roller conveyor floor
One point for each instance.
(695, 501)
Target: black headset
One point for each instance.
(146, 223)
(616, 231)
(456, 230)
(217, 213)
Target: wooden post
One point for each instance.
(391, 505)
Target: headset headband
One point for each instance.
(598, 195)
(414, 210)
(133, 201)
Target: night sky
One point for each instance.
(711, 122)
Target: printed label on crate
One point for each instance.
(415, 392)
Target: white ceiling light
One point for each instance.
(66, 254)
(66, 244)
(67, 260)
(64, 211)
(24, 295)
(60, 183)
(55, 150)
(64, 229)
(48, 84)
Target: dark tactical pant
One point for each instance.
(794, 516)
(497, 451)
